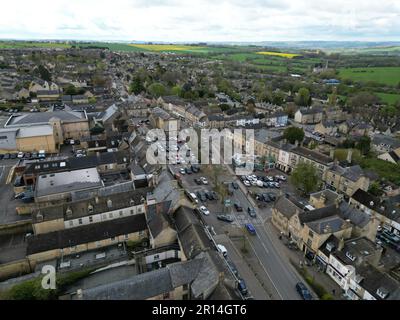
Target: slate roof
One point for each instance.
(45, 117)
(313, 155)
(85, 234)
(286, 207)
(158, 282)
(80, 208)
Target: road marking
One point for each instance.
(265, 270)
(2, 172)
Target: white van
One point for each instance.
(222, 249)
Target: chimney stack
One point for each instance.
(349, 155)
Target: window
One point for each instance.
(166, 295)
(309, 242)
(132, 211)
(71, 223)
(126, 236)
(139, 209)
(185, 286)
(98, 243)
(80, 221)
(310, 234)
(110, 215)
(156, 257)
(120, 213)
(90, 219)
(113, 239)
(185, 297)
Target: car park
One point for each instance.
(303, 291)
(224, 217)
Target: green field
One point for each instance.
(384, 75)
(33, 44)
(389, 98)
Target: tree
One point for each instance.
(44, 73)
(176, 91)
(293, 134)
(303, 97)
(71, 90)
(136, 86)
(375, 189)
(364, 144)
(305, 177)
(278, 98)
(157, 89)
(362, 99)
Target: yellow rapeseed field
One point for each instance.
(166, 47)
(279, 54)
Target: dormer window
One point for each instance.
(350, 256)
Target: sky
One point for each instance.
(203, 20)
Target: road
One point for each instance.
(280, 273)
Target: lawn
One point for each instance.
(384, 75)
(279, 54)
(389, 98)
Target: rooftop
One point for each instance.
(85, 234)
(68, 181)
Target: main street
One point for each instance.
(272, 268)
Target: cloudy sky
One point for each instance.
(203, 20)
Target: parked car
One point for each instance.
(34, 155)
(209, 195)
(238, 207)
(252, 212)
(303, 291)
(242, 287)
(198, 181)
(272, 196)
(195, 168)
(13, 155)
(188, 170)
(235, 185)
(201, 195)
(204, 180)
(224, 217)
(215, 195)
(222, 249)
(1, 156)
(182, 171)
(204, 210)
(7, 156)
(250, 228)
(28, 155)
(20, 155)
